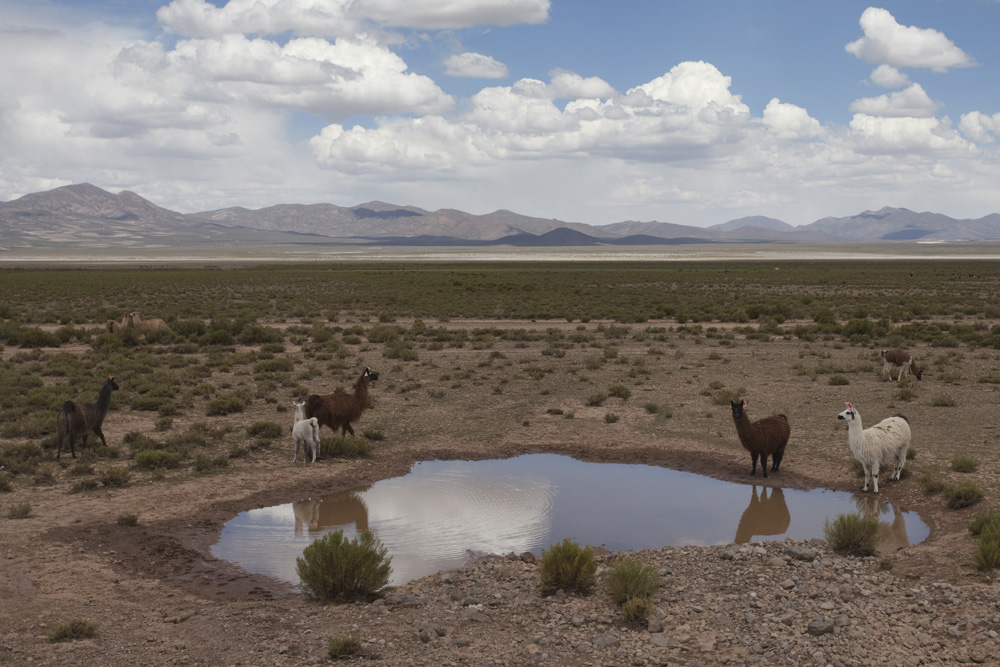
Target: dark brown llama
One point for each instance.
(767, 436)
(340, 410)
(80, 420)
(902, 360)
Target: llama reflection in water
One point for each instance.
(892, 534)
(336, 509)
(765, 515)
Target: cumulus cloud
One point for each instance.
(340, 18)
(475, 65)
(787, 121)
(907, 135)
(912, 101)
(887, 42)
(887, 76)
(980, 127)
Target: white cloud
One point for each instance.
(569, 85)
(887, 42)
(342, 18)
(980, 127)
(787, 121)
(887, 76)
(889, 136)
(912, 101)
(475, 65)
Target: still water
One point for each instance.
(444, 512)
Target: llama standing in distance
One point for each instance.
(884, 443)
(305, 433)
(145, 326)
(81, 420)
(340, 410)
(902, 360)
(767, 436)
(115, 326)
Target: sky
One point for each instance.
(582, 110)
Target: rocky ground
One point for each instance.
(162, 599)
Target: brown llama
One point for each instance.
(80, 420)
(902, 360)
(145, 326)
(767, 436)
(115, 326)
(341, 409)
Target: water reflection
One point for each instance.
(766, 515)
(892, 533)
(441, 512)
(332, 511)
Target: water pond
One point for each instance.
(444, 512)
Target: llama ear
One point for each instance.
(743, 402)
(848, 406)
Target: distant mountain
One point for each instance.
(86, 217)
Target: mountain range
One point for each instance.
(83, 216)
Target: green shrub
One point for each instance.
(987, 554)
(838, 381)
(5, 485)
(962, 495)
(651, 408)
(610, 418)
(596, 400)
(852, 534)
(155, 459)
(985, 522)
(964, 463)
(567, 566)
(348, 447)
(636, 611)
(225, 405)
(931, 484)
(115, 476)
(332, 568)
(339, 648)
(205, 463)
(79, 628)
(128, 520)
(943, 401)
(620, 391)
(264, 429)
(86, 484)
(19, 511)
(631, 578)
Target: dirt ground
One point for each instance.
(161, 598)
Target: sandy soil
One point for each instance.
(161, 598)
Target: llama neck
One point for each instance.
(104, 400)
(361, 390)
(299, 413)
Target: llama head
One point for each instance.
(370, 374)
(738, 408)
(850, 414)
(299, 404)
(111, 383)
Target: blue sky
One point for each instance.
(587, 111)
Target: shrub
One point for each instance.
(79, 628)
(838, 381)
(128, 520)
(332, 568)
(596, 400)
(19, 511)
(931, 484)
(631, 578)
(155, 459)
(620, 391)
(987, 554)
(115, 476)
(205, 463)
(343, 647)
(651, 408)
(610, 418)
(348, 447)
(964, 463)
(225, 405)
(265, 430)
(567, 566)
(636, 611)
(5, 485)
(852, 534)
(983, 522)
(962, 495)
(943, 401)
(87, 484)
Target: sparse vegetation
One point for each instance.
(333, 568)
(569, 567)
(964, 463)
(852, 534)
(78, 628)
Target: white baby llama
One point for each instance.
(305, 433)
(884, 443)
